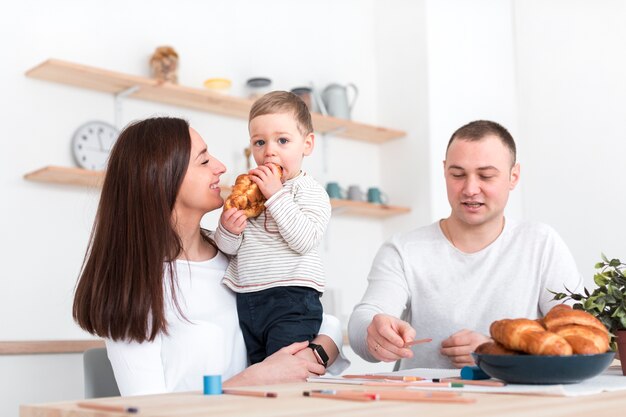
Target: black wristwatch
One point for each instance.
(320, 354)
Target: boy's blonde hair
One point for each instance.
(284, 102)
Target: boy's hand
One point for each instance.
(234, 220)
(267, 177)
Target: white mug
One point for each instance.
(355, 193)
(335, 98)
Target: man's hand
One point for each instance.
(459, 346)
(386, 336)
(267, 177)
(234, 220)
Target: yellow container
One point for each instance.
(220, 85)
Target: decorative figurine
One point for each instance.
(164, 64)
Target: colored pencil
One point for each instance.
(108, 407)
(389, 384)
(455, 384)
(417, 342)
(250, 393)
(341, 395)
(484, 383)
(385, 377)
(423, 396)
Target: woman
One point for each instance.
(151, 281)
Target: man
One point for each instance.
(450, 280)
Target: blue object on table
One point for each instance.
(473, 373)
(212, 384)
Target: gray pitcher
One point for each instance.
(335, 98)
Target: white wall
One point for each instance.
(403, 102)
(471, 75)
(572, 84)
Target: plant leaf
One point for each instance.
(600, 279)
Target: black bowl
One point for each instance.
(537, 369)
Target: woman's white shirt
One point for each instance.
(206, 341)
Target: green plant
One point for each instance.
(608, 301)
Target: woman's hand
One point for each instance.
(234, 220)
(460, 345)
(386, 337)
(282, 366)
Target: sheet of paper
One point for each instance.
(611, 380)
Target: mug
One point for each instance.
(375, 196)
(334, 190)
(355, 193)
(335, 99)
(306, 94)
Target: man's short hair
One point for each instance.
(478, 129)
(284, 102)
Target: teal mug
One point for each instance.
(375, 196)
(334, 190)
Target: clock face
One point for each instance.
(92, 143)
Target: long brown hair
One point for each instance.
(120, 292)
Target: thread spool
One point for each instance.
(212, 384)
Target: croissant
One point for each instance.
(562, 315)
(528, 336)
(583, 331)
(584, 340)
(247, 196)
(494, 348)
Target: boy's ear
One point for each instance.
(309, 144)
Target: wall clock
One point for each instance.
(91, 144)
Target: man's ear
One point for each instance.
(309, 144)
(514, 177)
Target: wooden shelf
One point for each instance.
(67, 175)
(200, 99)
(83, 177)
(362, 208)
(30, 347)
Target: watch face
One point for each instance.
(320, 354)
(92, 143)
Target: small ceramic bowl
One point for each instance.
(220, 85)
